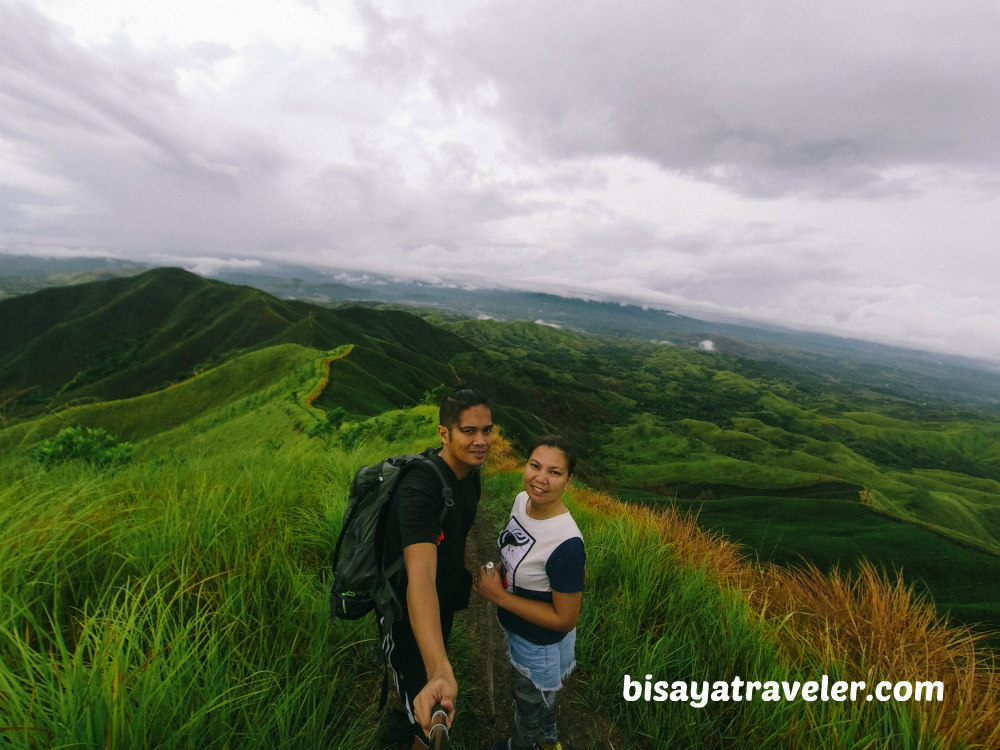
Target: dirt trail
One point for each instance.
(579, 728)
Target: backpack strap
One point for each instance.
(447, 494)
(447, 491)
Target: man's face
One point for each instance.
(468, 443)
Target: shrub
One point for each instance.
(334, 418)
(93, 446)
(388, 427)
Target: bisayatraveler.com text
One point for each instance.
(700, 694)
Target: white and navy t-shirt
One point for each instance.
(539, 557)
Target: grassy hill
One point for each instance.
(191, 401)
(830, 476)
(180, 600)
(797, 469)
(125, 337)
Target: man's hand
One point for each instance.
(441, 690)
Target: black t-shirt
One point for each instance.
(413, 517)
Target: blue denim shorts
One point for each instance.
(546, 666)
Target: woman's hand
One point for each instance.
(489, 584)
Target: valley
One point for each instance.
(793, 467)
(714, 477)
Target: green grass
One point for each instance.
(244, 377)
(172, 607)
(648, 612)
(180, 601)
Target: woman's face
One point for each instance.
(546, 475)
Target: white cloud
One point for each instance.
(826, 166)
(207, 266)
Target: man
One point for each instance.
(435, 584)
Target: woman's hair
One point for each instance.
(556, 441)
(456, 402)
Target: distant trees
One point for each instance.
(435, 395)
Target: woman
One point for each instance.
(537, 588)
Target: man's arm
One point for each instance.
(425, 621)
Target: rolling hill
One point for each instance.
(179, 600)
(795, 468)
(816, 359)
(123, 337)
(191, 581)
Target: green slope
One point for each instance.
(692, 425)
(125, 337)
(658, 422)
(288, 365)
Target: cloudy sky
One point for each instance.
(828, 165)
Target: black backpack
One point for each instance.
(362, 576)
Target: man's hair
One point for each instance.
(556, 441)
(456, 402)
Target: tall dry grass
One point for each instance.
(864, 624)
(881, 629)
(503, 457)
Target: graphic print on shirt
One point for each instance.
(514, 544)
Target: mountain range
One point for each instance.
(796, 454)
(813, 358)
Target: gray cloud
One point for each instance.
(794, 162)
(108, 136)
(765, 98)
(116, 101)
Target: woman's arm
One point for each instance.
(561, 615)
